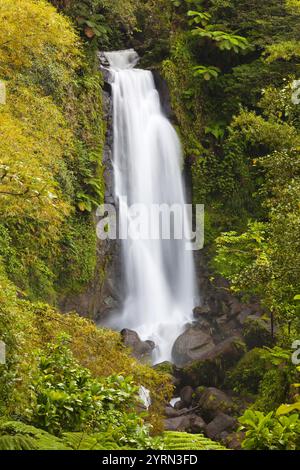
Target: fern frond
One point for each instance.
(185, 441)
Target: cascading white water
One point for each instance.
(160, 282)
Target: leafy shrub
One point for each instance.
(67, 398)
(268, 432)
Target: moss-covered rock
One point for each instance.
(257, 333)
(248, 373)
(211, 370)
(273, 390)
(214, 401)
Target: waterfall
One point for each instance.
(159, 274)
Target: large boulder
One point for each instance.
(186, 422)
(140, 349)
(234, 440)
(210, 369)
(228, 352)
(192, 346)
(181, 423)
(219, 424)
(257, 333)
(214, 401)
(186, 395)
(197, 424)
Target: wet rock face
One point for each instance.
(164, 94)
(140, 349)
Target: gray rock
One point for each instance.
(139, 348)
(201, 311)
(179, 405)
(229, 351)
(210, 369)
(181, 423)
(235, 307)
(186, 395)
(185, 422)
(192, 346)
(171, 412)
(219, 425)
(213, 401)
(234, 440)
(257, 332)
(197, 424)
(242, 317)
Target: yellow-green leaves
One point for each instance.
(33, 143)
(285, 409)
(32, 29)
(286, 50)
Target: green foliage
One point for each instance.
(268, 432)
(247, 375)
(198, 17)
(102, 22)
(224, 41)
(185, 95)
(16, 435)
(286, 50)
(66, 398)
(99, 441)
(54, 37)
(286, 409)
(185, 441)
(25, 327)
(76, 268)
(52, 138)
(206, 72)
(273, 390)
(262, 260)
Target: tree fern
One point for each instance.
(100, 441)
(17, 442)
(15, 435)
(185, 441)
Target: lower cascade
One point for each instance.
(160, 291)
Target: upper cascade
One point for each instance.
(122, 60)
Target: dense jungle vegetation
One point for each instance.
(231, 67)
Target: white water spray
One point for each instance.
(159, 274)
